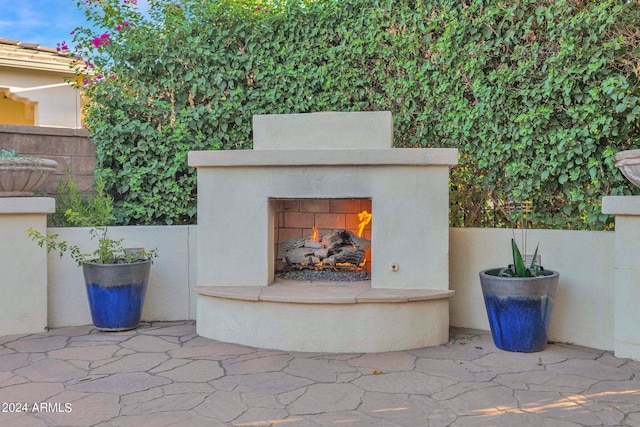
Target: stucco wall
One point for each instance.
(583, 312)
(23, 266)
(69, 147)
(172, 277)
(584, 308)
(58, 106)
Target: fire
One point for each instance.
(365, 218)
(323, 255)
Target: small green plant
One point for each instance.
(519, 268)
(75, 209)
(109, 251)
(8, 154)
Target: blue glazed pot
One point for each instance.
(116, 293)
(519, 309)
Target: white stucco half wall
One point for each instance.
(23, 267)
(583, 312)
(169, 295)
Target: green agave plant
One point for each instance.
(519, 267)
(8, 154)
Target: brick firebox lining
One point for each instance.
(294, 218)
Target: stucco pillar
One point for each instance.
(627, 273)
(23, 265)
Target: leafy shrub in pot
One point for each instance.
(116, 278)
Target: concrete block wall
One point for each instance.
(296, 217)
(71, 148)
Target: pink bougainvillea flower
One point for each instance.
(258, 8)
(62, 46)
(266, 11)
(125, 24)
(97, 41)
(118, 27)
(104, 39)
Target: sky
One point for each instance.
(44, 22)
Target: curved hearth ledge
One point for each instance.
(323, 317)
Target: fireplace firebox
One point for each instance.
(322, 235)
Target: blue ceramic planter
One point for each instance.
(519, 309)
(116, 293)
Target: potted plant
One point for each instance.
(519, 299)
(116, 278)
(22, 176)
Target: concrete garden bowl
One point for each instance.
(629, 164)
(22, 176)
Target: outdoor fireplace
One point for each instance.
(303, 166)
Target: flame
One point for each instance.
(365, 218)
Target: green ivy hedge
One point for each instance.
(537, 95)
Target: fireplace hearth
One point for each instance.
(257, 210)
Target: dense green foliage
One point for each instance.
(537, 95)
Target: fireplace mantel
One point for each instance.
(326, 157)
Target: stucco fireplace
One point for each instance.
(324, 159)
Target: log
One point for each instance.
(291, 244)
(299, 256)
(360, 242)
(338, 246)
(334, 239)
(313, 244)
(345, 255)
(345, 238)
(321, 253)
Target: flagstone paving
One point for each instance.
(163, 374)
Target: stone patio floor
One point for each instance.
(163, 374)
